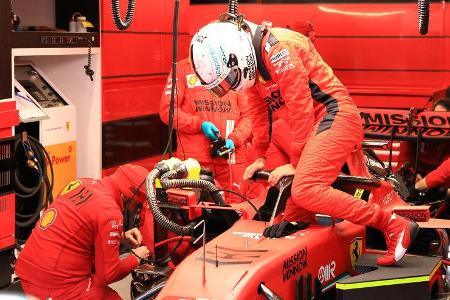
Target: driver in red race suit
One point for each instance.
(73, 252)
(199, 118)
(281, 67)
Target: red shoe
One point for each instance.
(399, 234)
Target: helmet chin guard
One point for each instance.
(223, 57)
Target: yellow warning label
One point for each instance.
(358, 193)
(48, 218)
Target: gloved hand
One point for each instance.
(210, 130)
(229, 144)
(284, 228)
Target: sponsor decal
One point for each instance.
(179, 200)
(250, 69)
(295, 264)
(113, 242)
(274, 101)
(416, 216)
(115, 225)
(48, 218)
(200, 38)
(277, 56)
(284, 68)
(56, 160)
(219, 105)
(229, 256)
(215, 60)
(355, 250)
(80, 197)
(70, 186)
(192, 81)
(381, 123)
(326, 273)
(249, 235)
(114, 234)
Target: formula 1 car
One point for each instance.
(228, 258)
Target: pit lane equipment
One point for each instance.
(56, 132)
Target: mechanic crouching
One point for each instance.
(73, 252)
(275, 64)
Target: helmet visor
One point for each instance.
(227, 81)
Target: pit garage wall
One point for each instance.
(135, 66)
(373, 46)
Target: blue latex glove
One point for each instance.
(229, 144)
(210, 130)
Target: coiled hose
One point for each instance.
(122, 25)
(159, 217)
(42, 189)
(233, 7)
(424, 15)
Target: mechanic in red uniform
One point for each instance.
(324, 121)
(73, 252)
(437, 178)
(431, 154)
(200, 118)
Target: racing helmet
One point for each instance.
(223, 58)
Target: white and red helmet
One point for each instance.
(223, 58)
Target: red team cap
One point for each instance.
(128, 178)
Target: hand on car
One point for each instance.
(210, 130)
(284, 228)
(257, 165)
(141, 253)
(133, 237)
(280, 172)
(421, 185)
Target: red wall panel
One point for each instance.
(374, 49)
(131, 97)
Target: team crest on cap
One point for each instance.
(48, 218)
(355, 250)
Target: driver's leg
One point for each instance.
(319, 166)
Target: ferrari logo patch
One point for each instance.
(70, 186)
(358, 193)
(48, 218)
(192, 81)
(355, 250)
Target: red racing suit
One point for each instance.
(439, 177)
(73, 252)
(195, 105)
(325, 127)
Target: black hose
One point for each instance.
(44, 187)
(233, 7)
(122, 25)
(424, 15)
(159, 217)
(174, 78)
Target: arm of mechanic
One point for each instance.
(108, 266)
(242, 129)
(185, 122)
(437, 178)
(260, 122)
(293, 79)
